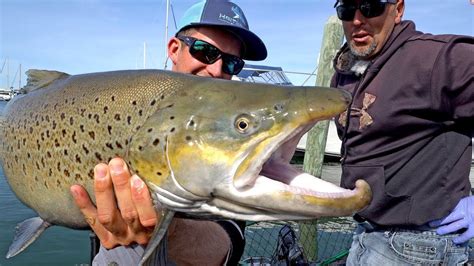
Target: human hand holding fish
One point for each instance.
(124, 213)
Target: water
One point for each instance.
(62, 246)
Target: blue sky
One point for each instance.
(82, 36)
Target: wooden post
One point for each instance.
(317, 136)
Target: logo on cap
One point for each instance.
(236, 19)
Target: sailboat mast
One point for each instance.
(144, 55)
(166, 32)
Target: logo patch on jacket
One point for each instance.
(365, 119)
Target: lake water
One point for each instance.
(61, 246)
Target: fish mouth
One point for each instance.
(275, 189)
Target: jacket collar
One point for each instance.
(346, 63)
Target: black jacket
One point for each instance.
(411, 124)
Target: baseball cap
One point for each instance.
(227, 15)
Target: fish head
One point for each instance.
(223, 148)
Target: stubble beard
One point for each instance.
(363, 52)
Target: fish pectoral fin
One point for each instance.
(26, 233)
(155, 252)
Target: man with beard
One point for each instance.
(408, 133)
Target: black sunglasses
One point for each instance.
(369, 8)
(209, 54)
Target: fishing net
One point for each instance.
(325, 241)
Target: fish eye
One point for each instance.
(242, 124)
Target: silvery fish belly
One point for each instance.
(205, 147)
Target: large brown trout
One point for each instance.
(205, 147)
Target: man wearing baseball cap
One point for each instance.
(212, 40)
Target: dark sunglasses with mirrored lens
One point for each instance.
(209, 54)
(369, 8)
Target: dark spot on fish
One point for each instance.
(172, 130)
(113, 98)
(137, 128)
(50, 172)
(134, 102)
(96, 117)
(171, 117)
(96, 99)
(42, 136)
(106, 108)
(58, 184)
(59, 166)
(85, 149)
(162, 97)
(191, 123)
(55, 106)
(71, 121)
(29, 155)
(78, 158)
(188, 138)
(150, 130)
(47, 134)
(89, 116)
(156, 142)
(83, 110)
(92, 135)
(109, 129)
(98, 156)
(48, 154)
(16, 159)
(56, 143)
(66, 173)
(64, 133)
(36, 179)
(54, 124)
(140, 112)
(82, 128)
(117, 117)
(126, 142)
(66, 152)
(78, 177)
(140, 148)
(37, 123)
(129, 120)
(74, 137)
(91, 174)
(119, 145)
(63, 116)
(37, 145)
(46, 184)
(153, 102)
(137, 172)
(109, 145)
(24, 169)
(42, 162)
(37, 165)
(31, 130)
(159, 173)
(66, 101)
(171, 105)
(47, 118)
